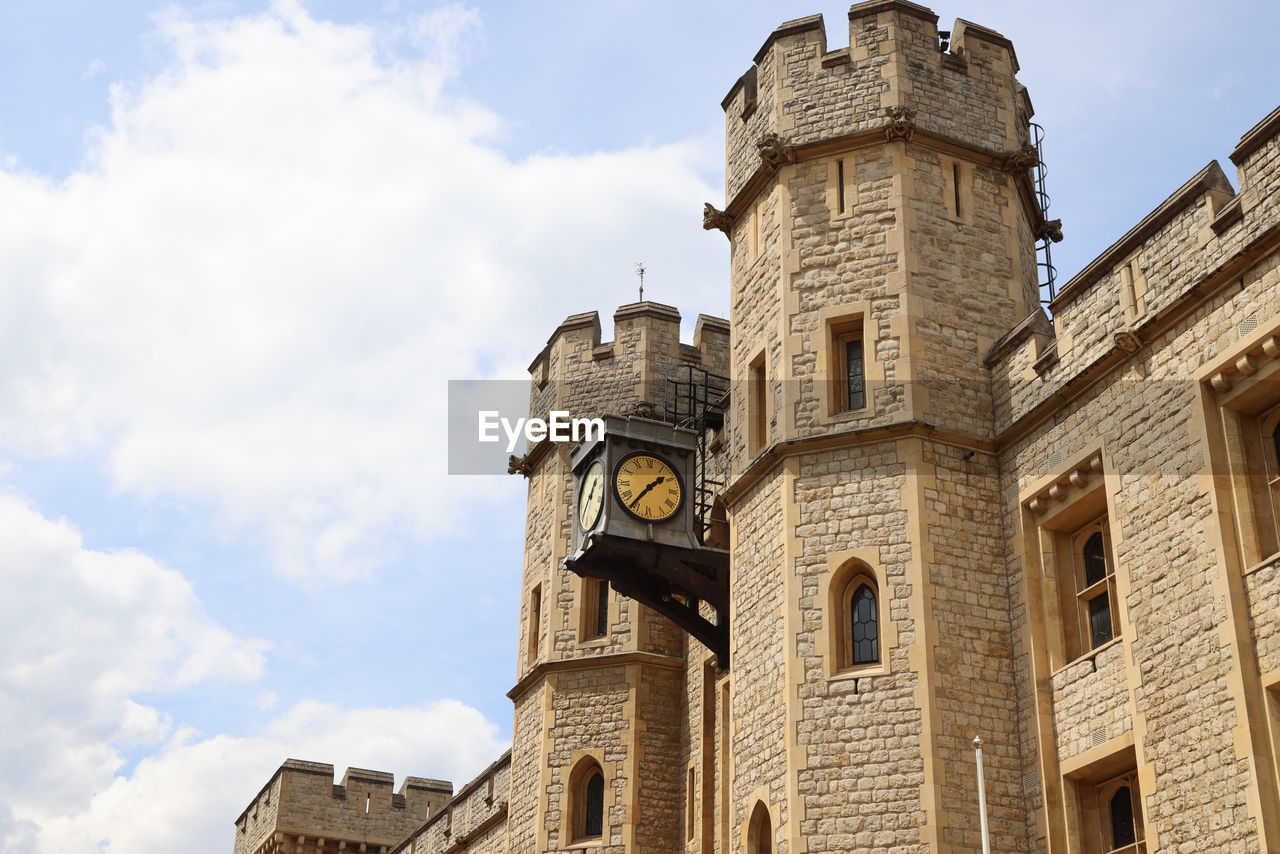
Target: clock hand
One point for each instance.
(645, 491)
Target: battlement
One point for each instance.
(301, 799)
(578, 372)
(893, 73)
(1200, 240)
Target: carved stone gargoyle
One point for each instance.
(902, 122)
(774, 151)
(519, 465)
(713, 217)
(1020, 161)
(1127, 341)
(1050, 229)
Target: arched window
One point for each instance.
(760, 831)
(864, 626)
(586, 806)
(1094, 582)
(856, 620)
(1119, 813)
(1121, 809)
(593, 806)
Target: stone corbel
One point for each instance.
(713, 217)
(902, 122)
(775, 152)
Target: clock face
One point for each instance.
(591, 496)
(648, 487)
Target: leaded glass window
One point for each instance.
(864, 626)
(855, 387)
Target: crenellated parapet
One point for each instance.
(301, 806)
(893, 81)
(1203, 239)
(578, 372)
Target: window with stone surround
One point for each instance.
(534, 647)
(1076, 583)
(848, 364)
(1095, 582)
(1242, 395)
(757, 404)
(595, 609)
(1113, 819)
(855, 612)
(1104, 805)
(586, 807)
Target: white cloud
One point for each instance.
(187, 796)
(87, 633)
(285, 244)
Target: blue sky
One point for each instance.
(244, 246)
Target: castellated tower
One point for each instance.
(941, 514)
(883, 238)
(601, 678)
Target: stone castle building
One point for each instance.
(945, 515)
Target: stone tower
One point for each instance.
(946, 516)
(883, 238)
(601, 678)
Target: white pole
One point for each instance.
(982, 797)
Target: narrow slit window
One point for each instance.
(955, 188)
(840, 186)
(855, 387)
(535, 623)
(602, 608)
(690, 799)
(758, 404)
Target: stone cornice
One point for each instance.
(767, 460)
(1256, 137)
(616, 659)
(875, 7)
(1001, 161)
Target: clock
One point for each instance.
(591, 496)
(648, 487)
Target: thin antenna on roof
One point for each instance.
(640, 273)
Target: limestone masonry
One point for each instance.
(954, 505)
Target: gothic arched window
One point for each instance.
(760, 831)
(856, 619)
(593, 806)
(864, 625)
(1094, 583)
(586, 805)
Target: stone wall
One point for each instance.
(472, 821)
